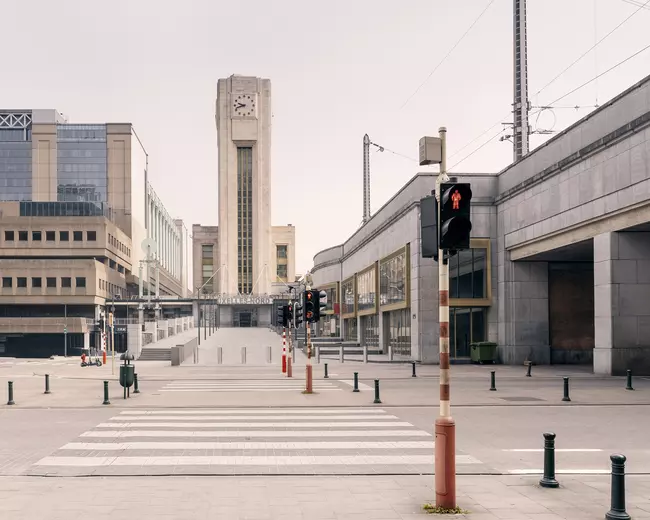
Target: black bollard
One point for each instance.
(493, 381)
(356, 382)
(10, 391)
(413, 373)
(530, 367)
(47, 384)
(628, 385)
(548, 480)
(326, 376)
(617, 512)
(136, 390)
(377, 400)
(566, 390)
(106, 401)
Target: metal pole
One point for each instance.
(617, 511)
(548, 480)
(65, 330)
(113, 336)
(198, 313)
(445, 427)
(308, 368)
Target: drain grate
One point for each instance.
(521, 399)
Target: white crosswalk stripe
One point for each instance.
(248, 441)
(237, 385)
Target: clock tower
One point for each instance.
(243, 117)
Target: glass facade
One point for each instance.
(82, 169)
(350, 329)
(468, 274)
(281, 261)
(367, 290)
(393, 276)
(207, 267)
(245, 220)
(370, 330)
(65, 209)
(398, 323)
(329, 325)
(347, 297)
(467, 325)
(332, 297)
(15, 158)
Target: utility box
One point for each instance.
(430, 150)
(483, 351)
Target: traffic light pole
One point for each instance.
(308, 367)
(289, 369)
(284, 350)
(445, 427)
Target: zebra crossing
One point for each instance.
(243, 441)
(239, 385)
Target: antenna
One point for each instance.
(366, 176)
(521, 105)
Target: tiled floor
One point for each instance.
(247, 442)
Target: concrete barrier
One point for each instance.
(180, 353)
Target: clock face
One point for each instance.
(243, 105)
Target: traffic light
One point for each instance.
(322, 304)
(310, 306)
(290, 312)
(455, 222)
(279, 315)
(297, 309)
(285, 316)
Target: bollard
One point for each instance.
(493, 381)
(548, 480)
(356, 382)
(617, 511)
(628, 385)
(269, 355)
(413, 372)
(377, 400)
(530, 367)
(47, 384)
(341, 354)
(136, 390)
(243, 355)
(219, 355)
(106, 401)
(326, 376)
(317, 349)
(566, 390)
(10, 391)
(365, 353)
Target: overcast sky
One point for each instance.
(339, 69)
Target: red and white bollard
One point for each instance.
(284, 351)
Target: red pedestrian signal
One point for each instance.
(455, 199)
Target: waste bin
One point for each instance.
(483, 351)
(126, 375)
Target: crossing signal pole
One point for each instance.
(310, 314)
(288, 309)
(279, 321)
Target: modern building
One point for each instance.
(559, 265)
(76, 208)
(244, 261)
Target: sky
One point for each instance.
(339, 69)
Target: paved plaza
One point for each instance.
(242, 441)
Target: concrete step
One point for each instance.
(155, 354)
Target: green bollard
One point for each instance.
(10, 390)
(530, 367)
(548, 480)
(493, 381)
(566, 390)
(377, 400)
(617, 511)
(106, 401)
(628, 386)
(326, 376)
(47, 384)
(356, 382)
(413, 373)
(136, 390)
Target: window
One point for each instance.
(467, 274)
(207, 251)
(80, 281)
(282, 271)
(7, 281)
(77, 236)
(400, 331)
(9, 236)
(245, 220)
(282, 251)
(51, 282)
(36, 236)
(66, 281)
(366, 290)
(37, 282)
(50, 236)
(64, 236)
(467, 325)
(21, 281)
(393, 277)
(347, 296)
(23, 236)
(91, 236)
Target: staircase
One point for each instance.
(155, 354)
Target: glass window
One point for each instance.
(245, 219)
(399, 325)
(347, 299)
(36, 236)
(15, 164)
(37, 282)
(64, 236)
(91, 236)
(21, 281)
(281, 251)
(331, 298)
(51, 282)
(366, 290)
(7, 281)
(66, 281)
(207, 251)
(78, 236)
(370, 330)
(467, 274)
(467, 325)
(23, 236)
(282, 271)
(393, 279)
(9, 236)
(50, 236)
(350, 330)
(80, 281)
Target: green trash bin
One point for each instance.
(483, 351)
(126, 375)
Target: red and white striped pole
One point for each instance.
(308, 367)
(289, 370)
(445, 428)
(284, 350)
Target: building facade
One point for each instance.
(558, 266)
(76, 208)
(244, 260)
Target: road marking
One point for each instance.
(240, 460)
(564, 450)
(317, 445)
(247, 417)
(243, 389)
(362, 386)
(250, 434)
(357, 424)
(261, 411)
(561, 471)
